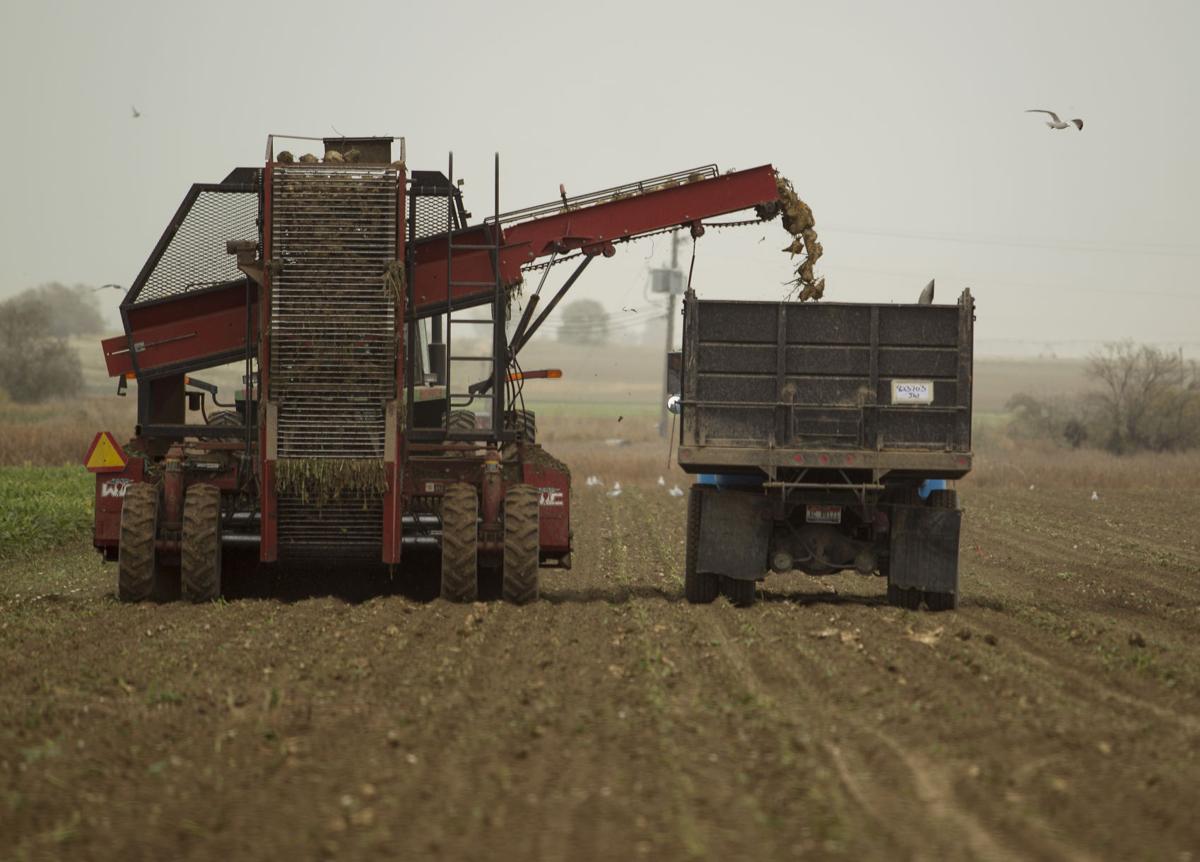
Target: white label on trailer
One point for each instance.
(912, 391)
(550, 497)
(823, 514)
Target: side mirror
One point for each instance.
(673, 405)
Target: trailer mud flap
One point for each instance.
(735, 534)
(924, 548)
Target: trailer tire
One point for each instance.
(699, 588)
(902, 597)
(521, 544)
(741, 593)
(943, 499)
(899, 597)
(200, 548)
(460, 543)
(137, 568)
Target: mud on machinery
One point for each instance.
(352, 296)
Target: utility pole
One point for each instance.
(676, 279)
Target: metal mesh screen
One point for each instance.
(195, 256)
(430, 215)
(340, 527)
(333, 328)
(333, 336)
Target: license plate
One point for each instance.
(824, 515)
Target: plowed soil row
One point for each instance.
(1055, 715)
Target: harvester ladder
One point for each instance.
(496, 363)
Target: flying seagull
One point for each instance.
(136, 112)
(1054, 122)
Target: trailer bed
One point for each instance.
(870, 386)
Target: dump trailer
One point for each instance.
(825, 437)
(380, 409)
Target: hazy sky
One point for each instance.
(901, 124)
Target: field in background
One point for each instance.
(602, 419)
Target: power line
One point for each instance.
(986, 281)
(1164, 249)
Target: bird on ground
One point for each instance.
(616, 490)
(676, 491)
(662, 482)
(1095, 497)
(593, 481)
(136, 112)
(1054, 122)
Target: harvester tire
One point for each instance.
(200, 550)
(460, 543)
(699, 588)
(741, 593)
(461, 420)
(224, 419)
(137, 568)
(524, 422)
(521, 544)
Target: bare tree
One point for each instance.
(584, 321)
(34, 364)
(70, 310)
(1145, 399)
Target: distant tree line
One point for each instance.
(37, 361)
(1143, 399)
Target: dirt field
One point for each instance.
(1056, 715)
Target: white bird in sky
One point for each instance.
(1054, 122)
(136, 112)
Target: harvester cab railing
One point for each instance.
(460, 369)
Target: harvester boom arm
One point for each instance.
(592, 224)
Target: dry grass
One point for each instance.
(1085, 469)
(630, 451)
(59, 432)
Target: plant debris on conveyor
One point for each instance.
(798, 221)
(321, 480)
